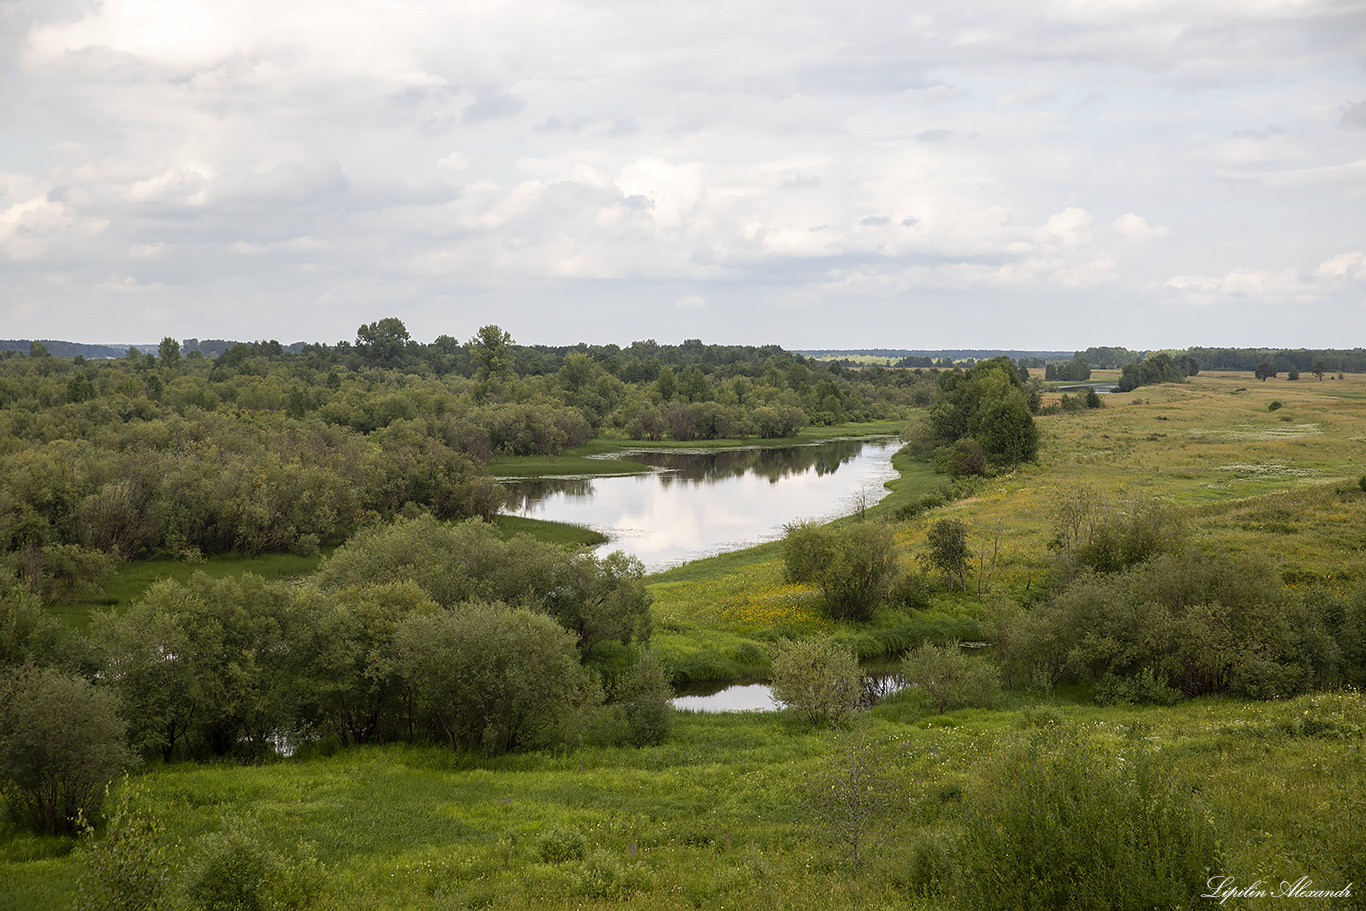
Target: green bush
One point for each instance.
(495, 679)
(818, 678)
(911, 591)
(855, 565)
(234, 871)
(1143, 687)
(604, 875)
(555, 845)
(647, 700)
(131, 867)
(945, 678)
(1275, 405)
(61, 741)
(1063, 823)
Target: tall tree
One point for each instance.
(383, 343)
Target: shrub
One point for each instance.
(1275, 405)
(604, 875)
(1143, 687)
(555, 845)
(946, 678)
(598, 599)
(647, 700)
(911, 591)
(130, 867)
(236, 872)
(966, 459)
(817, 677)
(855, 565)
(61, 741)
(1062, 823)
(495, 678)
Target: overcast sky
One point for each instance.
(966, 174)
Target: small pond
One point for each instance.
(758, 697)
(699, 503)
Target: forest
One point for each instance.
(1080, 639)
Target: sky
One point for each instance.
(970, 174)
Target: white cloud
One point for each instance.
(1072, 226)
(1136, 228)
(319, 164)
(1351, 266)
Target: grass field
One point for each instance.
(721, 816)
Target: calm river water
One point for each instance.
(695, 504)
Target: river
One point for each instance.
(697, 503)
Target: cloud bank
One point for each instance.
(982, 174)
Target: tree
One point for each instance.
(383, 343)
(948, 552)
(1320, 368)
(495, 678)
(79, 389)
(853, 796)
(855, 564)
(598, 599)
(989, 404)
(37, 349)
(1008, 433)
(1292, 372)
(493, 362)
(819, 678)
(61, 741)
(205, 665)
(350, 659)
(168, 352)
(1265, 370)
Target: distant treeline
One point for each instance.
(1302, 359)
(1333, 360)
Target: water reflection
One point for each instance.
(700, 503)
(758, 697)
